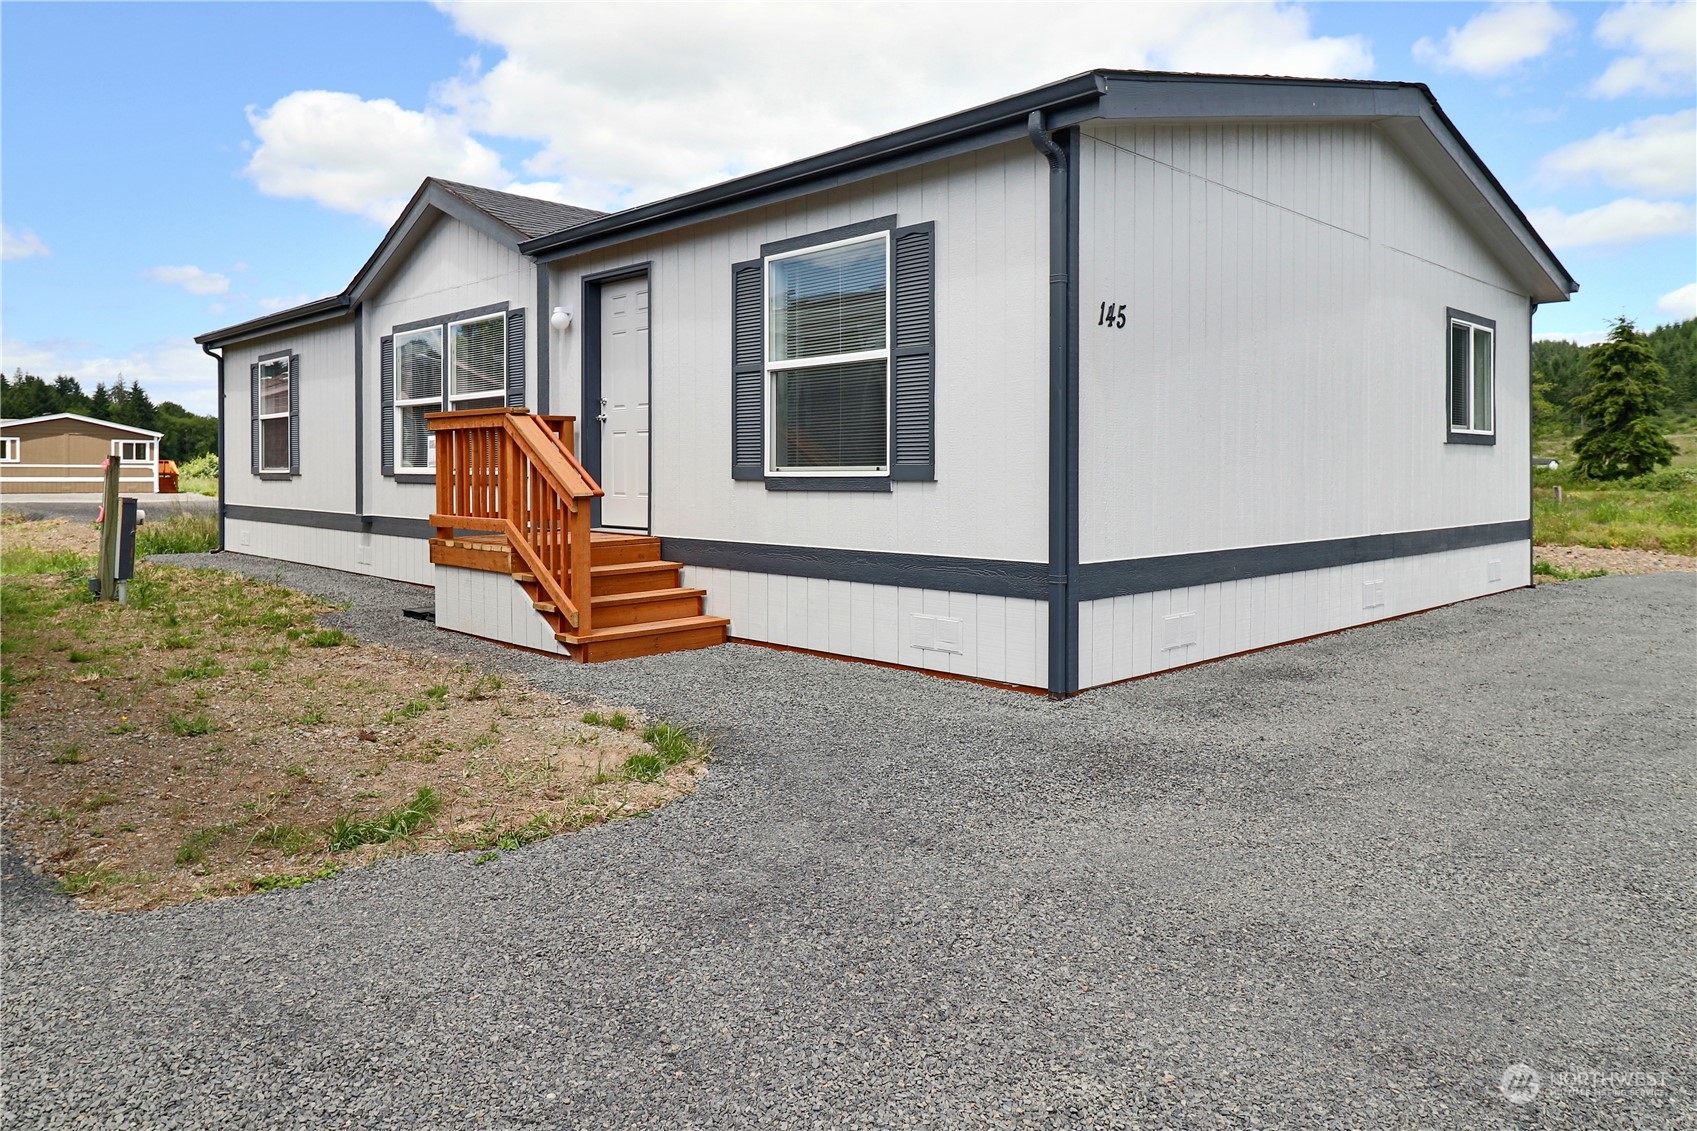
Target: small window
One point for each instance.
(133, 451)
(274, 414)
(828, 359)
(1472, 376)
(418, 390)
(9, 449)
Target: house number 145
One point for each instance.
(1111, 315)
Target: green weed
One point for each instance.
(274, 883)
(668, 746)
(618, 720)
(192, 727)
(181, 534)
(70, 755)
(399, 822)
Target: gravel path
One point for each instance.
(1340, 884)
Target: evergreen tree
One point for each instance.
(100, 404)
(1627, 387)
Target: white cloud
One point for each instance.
(192, 279)
(170, 370)
(1658, 43)
(1656, 155)
(1681, 303)
(626, 103)
(1627, 220)
(20, 245)
(1496, 40)
(282, 302)
(361, 156)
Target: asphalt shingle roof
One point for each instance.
(526, 215)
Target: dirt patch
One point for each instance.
(1583, 559)
(212, 738)
(49, 536)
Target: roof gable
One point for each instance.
(84, 419)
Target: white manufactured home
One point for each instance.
(1129, 372)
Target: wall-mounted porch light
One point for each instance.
(561, 318)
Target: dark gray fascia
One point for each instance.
(1003, 120)
(318, 310)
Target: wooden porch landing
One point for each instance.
(638, 604)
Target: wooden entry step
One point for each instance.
(639, 605)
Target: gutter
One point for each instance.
(1063, 406)
(219, 358)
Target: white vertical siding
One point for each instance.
(1282, 373)
(380, 555)
(491, 605)
(989, 500)
(453, 267)
(326, 396)
(1125, 637)
(1002, 639)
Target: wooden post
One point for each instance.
(578, 548)
(114, 519)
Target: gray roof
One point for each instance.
(527, 215)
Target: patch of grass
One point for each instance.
(1652, 512)
(181, 534)
(95, 802)
(486, 857)
(399, 822)
(1557, 573)
(199, 476)
(327, 638)
(194, 847)
(298, 879)
(79, 657)
(69, 755)
(618, 720)
(176, 641)
(668, 746)
(21, 561)
(290, 840)
(484, 687)
(192, 727)
(409, 710)
(298, 771)
(123, 728)
(204, 668)
(312, 717)
(87, 880)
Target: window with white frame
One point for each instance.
(133, 451)
(11, 451)
(1472, 377)
(828, 359)
(274, 414)
(472, 359)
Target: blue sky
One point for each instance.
(166, 169)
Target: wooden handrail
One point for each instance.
(498, 471)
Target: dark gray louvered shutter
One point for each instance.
(913, 356)
(253, 413)
(515, 359)
(386, 395)
(1461, 346)
(748, 358)
(294, 414)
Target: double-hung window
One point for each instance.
(1472, 378)
(10, 450)
(134, 451)
(828, 359)
(274, 415)
(470, 354)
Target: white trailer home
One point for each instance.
(1129, 372)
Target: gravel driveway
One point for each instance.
(1340, 884)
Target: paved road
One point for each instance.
(87, 507)
(1341, 884)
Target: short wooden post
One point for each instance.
(109, 529)
(579, 549)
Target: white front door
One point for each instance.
(624, 403)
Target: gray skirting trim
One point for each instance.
(1099, 580)
(915, 571)
(333, 520)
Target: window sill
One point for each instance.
(879, 483)
(414, 477)
(1471, 438)
(277, 475)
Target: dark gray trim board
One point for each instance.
(829, 235)
(877, 483)
(915, 571)
(359, 409)
(222, 461)
(333, 520)
(1486, 438)
(1100, 580)
(457, 316)
(544, 327)
(589, 423)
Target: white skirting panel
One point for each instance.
(1124, 637)
(1003, 639)
(382, 555)
(493, 606)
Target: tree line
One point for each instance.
(185, 435)
(1562, 376)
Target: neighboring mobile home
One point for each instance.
(1125, 373)
(66, 453)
